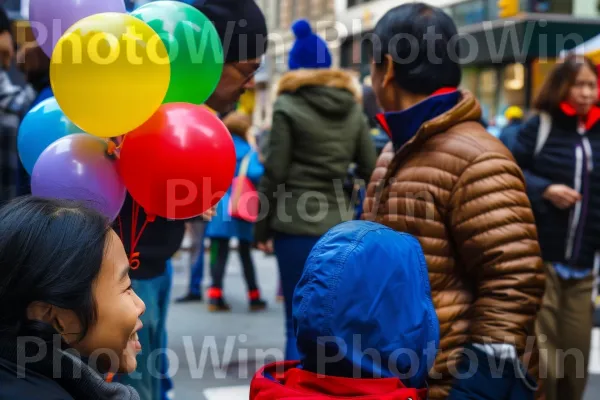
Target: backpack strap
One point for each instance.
(543, 132)
(245, 164)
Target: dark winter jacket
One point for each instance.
(570, 157)
(318, 130)
(509, 134)
(56, 375)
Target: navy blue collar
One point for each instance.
(401, 126)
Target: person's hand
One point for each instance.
(266, 247)
(561, 196)
(210, 213)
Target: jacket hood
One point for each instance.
(331, 92)
(363, 306)
(285, 380)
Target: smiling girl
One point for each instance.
(68, 314)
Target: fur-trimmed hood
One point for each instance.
(327, 90)
(332, 78)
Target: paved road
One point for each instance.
(215, 355)
(230, 346)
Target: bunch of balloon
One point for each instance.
(128, 112)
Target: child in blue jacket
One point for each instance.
(364, 319)
(224, 227)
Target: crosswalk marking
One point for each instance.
(228, 393)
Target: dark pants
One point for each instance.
(220, 252)
(197, 256)
(292, 252)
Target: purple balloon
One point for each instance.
(77, 167)
(50, 19)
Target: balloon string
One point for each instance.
(137, 239)
(134, 257)
(114, 149)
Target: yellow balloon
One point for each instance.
(110, 72)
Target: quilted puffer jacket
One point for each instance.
(459, 191)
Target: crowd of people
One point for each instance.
(461, 253)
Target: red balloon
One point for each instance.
(179, 163)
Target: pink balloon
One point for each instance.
(50, 19)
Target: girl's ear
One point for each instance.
(64, 322)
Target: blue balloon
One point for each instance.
(43, 125)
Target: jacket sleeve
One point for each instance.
(493, 229)
(278, 155)
(508, 136)
(366, 156)
(523, 152)
(255, 168)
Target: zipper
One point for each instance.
(587, 147)
(586, 150)
(576, 213)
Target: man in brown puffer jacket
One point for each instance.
(444, 179)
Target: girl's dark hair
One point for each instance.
(423, 42)
(51, 251)
(556, 87)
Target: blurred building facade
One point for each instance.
(517, 41)
(513, 43)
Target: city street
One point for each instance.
(215, 355)
(219, 353)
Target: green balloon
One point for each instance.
(194, 46)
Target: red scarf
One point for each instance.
(590, 119)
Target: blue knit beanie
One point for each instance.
(309, 50)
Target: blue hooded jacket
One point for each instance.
(223, 225)
(365, 291)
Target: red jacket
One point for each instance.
(293, 383)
